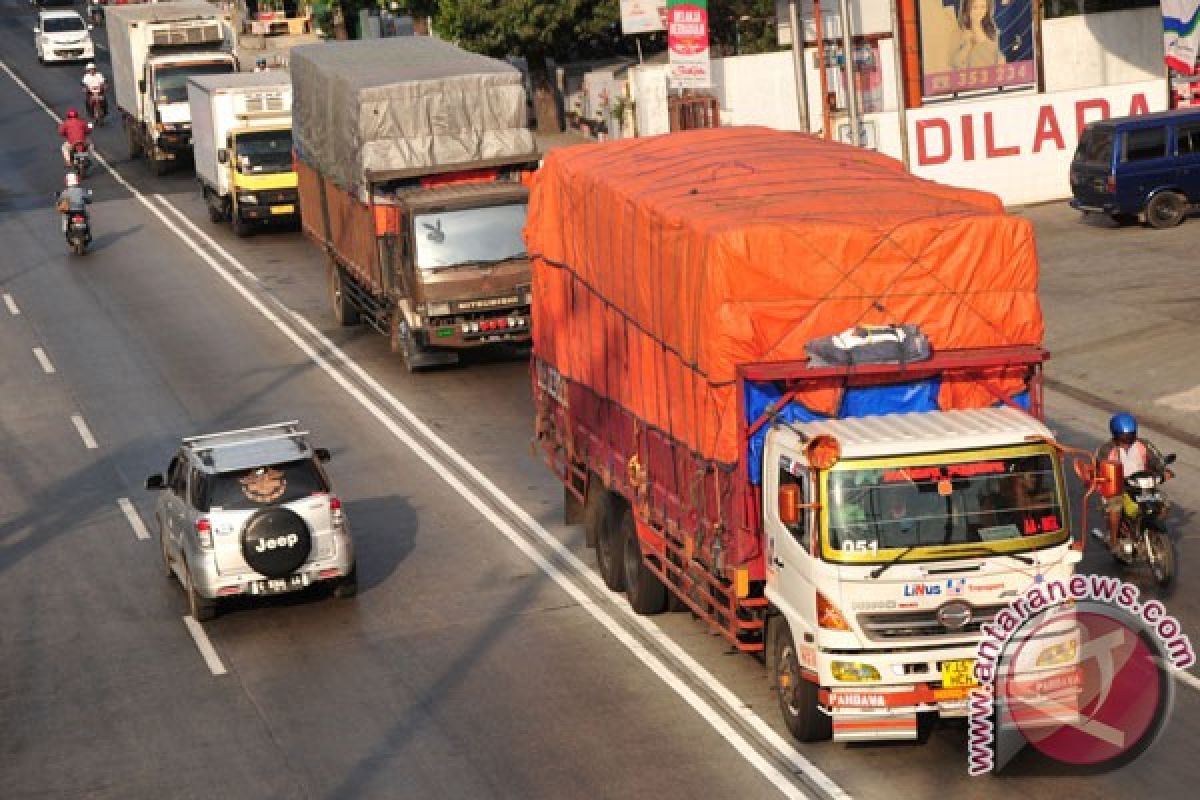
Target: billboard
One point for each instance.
(687, 43)
(975, 45)
(643, 16)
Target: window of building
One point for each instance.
(1052, 9)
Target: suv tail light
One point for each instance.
(1110, 185)
(204, 533)
(335, 512)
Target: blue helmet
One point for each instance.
(1123, 424)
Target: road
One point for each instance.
(479, 660)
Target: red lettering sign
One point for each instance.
(1138, 105)
(989, 139)
(968, 137)
(1047, 129)
(1082, 108)
(924, 157)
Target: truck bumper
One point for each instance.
(512, 327)
(280, 204)
(174, 143)
(1106, 208)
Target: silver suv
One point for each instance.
(251, 512)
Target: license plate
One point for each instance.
(1145, 498)
(283, 209)
(958, 673)
(273, 585)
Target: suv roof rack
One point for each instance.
(205, 444)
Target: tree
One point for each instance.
(563, 30)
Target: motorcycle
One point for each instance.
(1143, 536)
(97, 105)
(79, 232)
(96, 12)
(81, 159)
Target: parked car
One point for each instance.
(63, 36)
(1147, 164)
(251, 512)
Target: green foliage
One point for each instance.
(561, 29)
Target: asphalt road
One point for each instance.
(478, 661)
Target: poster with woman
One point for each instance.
(974, 45)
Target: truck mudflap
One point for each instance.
(880, 713)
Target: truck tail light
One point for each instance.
(204, 533)
(828, 615)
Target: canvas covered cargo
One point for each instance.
(663, 264)
(379, 109)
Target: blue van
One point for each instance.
(1146, 164)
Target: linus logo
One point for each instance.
(279, 541)
(922, 589)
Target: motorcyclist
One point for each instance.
(75, 131)
(93, 81)
(1134, 455)
(73, 199)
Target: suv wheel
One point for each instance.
(1165, 210)
(200, 608)
(166, 558)
(348, 586)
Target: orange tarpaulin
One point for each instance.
(661, 264)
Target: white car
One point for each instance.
(63, 36)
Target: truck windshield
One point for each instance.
(1006, 503)
(170, 83)
(63, 25)
(469, 235)
(263, 151)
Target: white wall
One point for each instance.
(1019, 147)
(757, 90)
(648, 85)
(1102, 49)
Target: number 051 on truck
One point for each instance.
(712, 314)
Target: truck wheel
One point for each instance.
(242, 227)
(343, 310)
(1165, 210)
(595, 510)
(216, 213)
(609, 549)
(135, 146)
(158, 166)
(645, 591)
(797, 696)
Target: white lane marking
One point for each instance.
(135, 519)
(89, 441)
(1188, 678)
(1188, 400)
(12, 305)
(44, 360)
(702, 707)
(204, 646)
(730, 700)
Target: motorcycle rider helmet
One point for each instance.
(1122, 424)
(72, 113)
(72, 180)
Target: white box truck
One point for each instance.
(242, 146)
(154, 49)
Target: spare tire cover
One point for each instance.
(275, 542)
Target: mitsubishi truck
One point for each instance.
(698, 305)
(242, 147)
(154, 49)
(411, 156)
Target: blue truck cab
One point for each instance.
(1145, 164)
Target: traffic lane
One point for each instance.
(1121, 311)
(147, 341)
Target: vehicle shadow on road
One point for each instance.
(111, 237)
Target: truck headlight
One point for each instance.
(438, 309)
(1057, 654)
(854, 672)
(248, 199)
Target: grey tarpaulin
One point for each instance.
(376, 109)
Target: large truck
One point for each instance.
(154, 49)
(242, 147)
(411, 156)
(725, 381)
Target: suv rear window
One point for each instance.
(259, 487)
(1145, 144)
(1095, 147)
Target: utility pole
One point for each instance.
(851, 91)
(798, 65)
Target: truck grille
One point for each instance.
(277, 196)
(894, 625)
(264, 102)
(177, 35)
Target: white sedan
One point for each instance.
(63, 36)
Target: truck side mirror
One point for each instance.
(141, 85)
(222, 156)
(789, 504)
(1110, 479)
(155, 482)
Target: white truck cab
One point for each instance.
(887, 556)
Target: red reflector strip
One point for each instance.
(329, 573)
(229, 590)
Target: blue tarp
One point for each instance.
(861, 401)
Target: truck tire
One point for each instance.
(135, 145)
(645, 591)
(241, 227)
(1166, 210)
(595, 510)
(158, 166)
(216, 212)
(343, 310)
(797, 696)
(608, 546)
